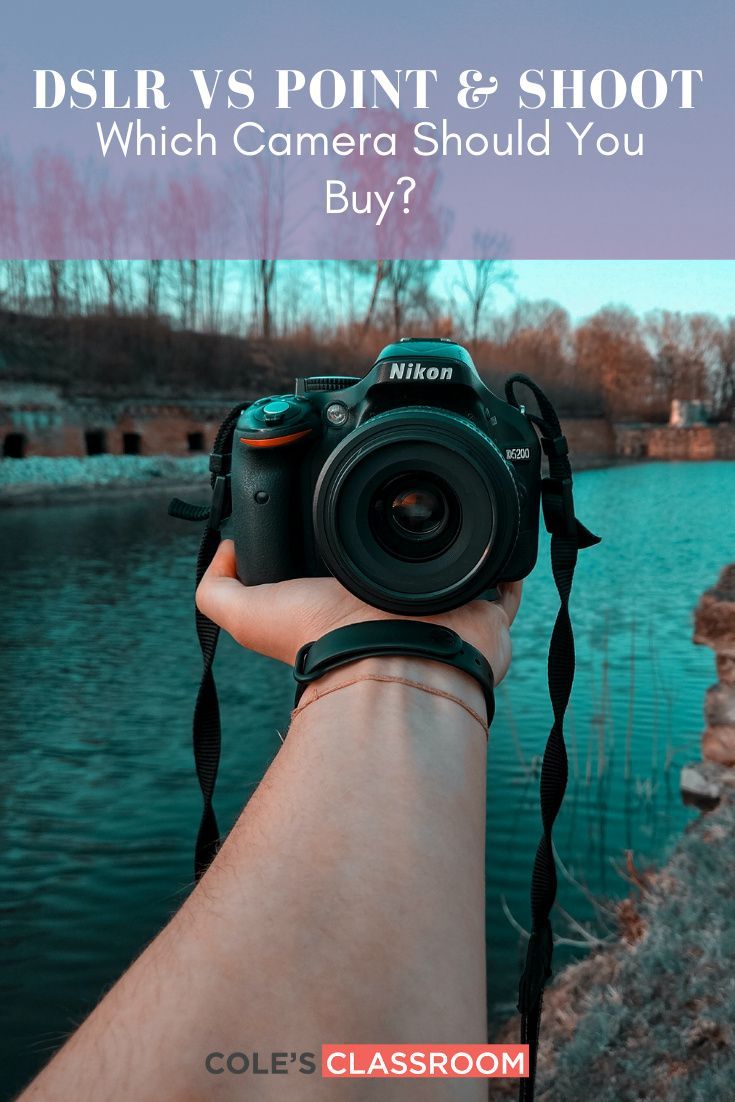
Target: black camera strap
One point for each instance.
(206, 728)
(568, 537)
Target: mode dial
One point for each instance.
(274, 412)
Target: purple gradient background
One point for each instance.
(675, 202)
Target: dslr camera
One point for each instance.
(415, 486)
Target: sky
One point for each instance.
(582, 287)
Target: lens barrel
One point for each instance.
(416, 511)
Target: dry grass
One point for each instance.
(652, 1017)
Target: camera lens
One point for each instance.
(419, 512)
(416, 511)
(414, 516)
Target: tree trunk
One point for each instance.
(267, 274)
(54, 275)
(379, 274)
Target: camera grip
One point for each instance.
(263, 511)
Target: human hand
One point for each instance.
(278, 618)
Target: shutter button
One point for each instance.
(274, 412)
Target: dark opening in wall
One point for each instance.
(95, 441)
(196, 441)
(14, 446)
(131, 442)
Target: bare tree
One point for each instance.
(214, 286)
(260, 193)
(152, 273)
(407, 233)
(266, 270)
(409, 287)
(194, 219)
(722, 383)
(378, 268)
(56, 212)
(104, 221)
(610, 353)
(480, 276)
(680, 345)
(16, 290)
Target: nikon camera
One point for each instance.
(415, 486)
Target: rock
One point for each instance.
(714, 618)
(704, 782)
(714, 626)
(718, 741)
(718, 745)
(719, 705)
(726, 669)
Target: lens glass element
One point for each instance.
(415, 515)
(419, 512)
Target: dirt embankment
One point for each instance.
(652, 1018)
(111, 357)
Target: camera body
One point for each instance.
(416, 486)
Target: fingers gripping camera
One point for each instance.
(415, 486)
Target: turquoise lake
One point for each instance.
(99, 670)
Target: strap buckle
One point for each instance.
(555, 446)
(299, 666)
(558, 505)
(221, 501)
(220, 463)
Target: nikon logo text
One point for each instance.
(415, 371)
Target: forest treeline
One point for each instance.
(192, 327)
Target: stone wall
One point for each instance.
(664, 442)
(40, 422)
(56, 429)
(141, 428)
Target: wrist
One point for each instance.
(406, 674)
(416, 642)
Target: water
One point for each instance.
(98, 674)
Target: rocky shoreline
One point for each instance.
(43, 480)
(653, 1015)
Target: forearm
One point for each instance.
(347, 904)
(367, 838)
